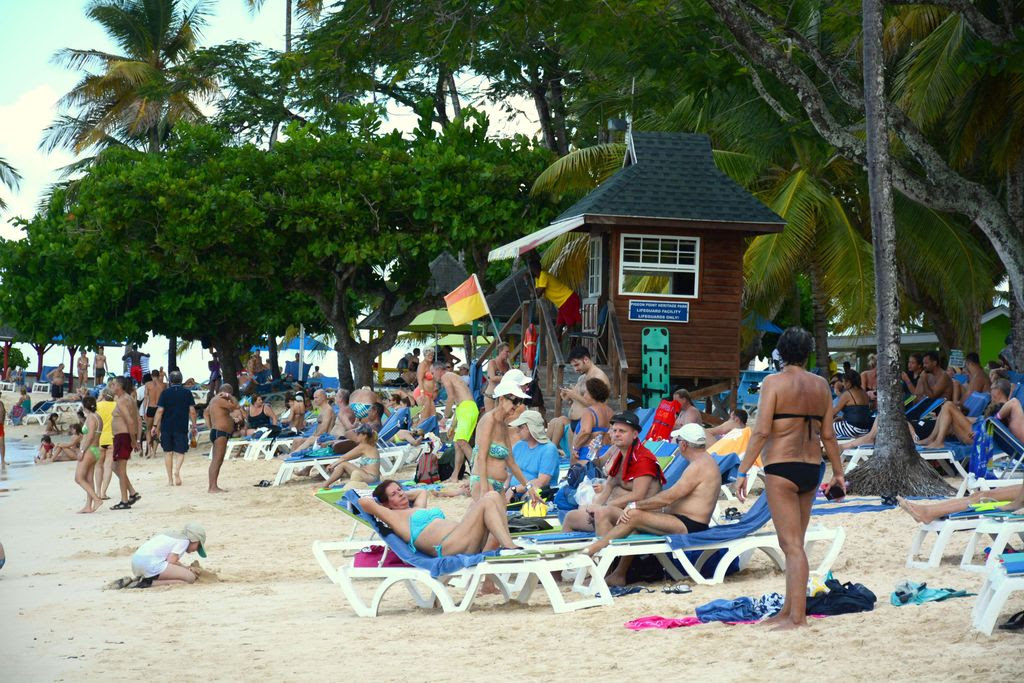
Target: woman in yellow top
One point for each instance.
(554, 290)
(105, 409)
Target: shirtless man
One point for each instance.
(151, 399)
(99, 365)
(977, 379)
(56, 379)
(218, 417)
(360, 401)
(951, 419)
(689, 413)
(83, 369)
(124, 422)
(324, 422)
(346, 419)
(579, 359)
(737, 420)
(634, 474)
(466, 414)
(934, 382)
(496, 368)
(684, 508)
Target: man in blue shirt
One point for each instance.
(175, 409)
(536, 456)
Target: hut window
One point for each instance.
(665, 266)
(594, 268)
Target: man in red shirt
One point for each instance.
(634, 474)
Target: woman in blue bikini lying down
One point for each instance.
(484, 526)
(794, 420)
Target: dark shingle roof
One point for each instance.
(672, 176)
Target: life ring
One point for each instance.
(530, 346)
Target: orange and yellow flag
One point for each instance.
(467, 302)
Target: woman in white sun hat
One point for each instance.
(492, 454)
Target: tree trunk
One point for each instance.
(439, 106)
(272, 359)
(288, 26)
(72, 375)
(540, 101)
(935, 317)
(172, 353)
(230, 365)
(895, 467)
(1015, 207)
(558, 115)
(453, 93)
(1016, 334)
(40, 350)
(362, 365)
(345, 380)
(820, 307)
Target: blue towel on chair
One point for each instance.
(437, 566)
(755, 518)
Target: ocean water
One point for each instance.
(21, 451)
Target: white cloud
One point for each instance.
(22, 124)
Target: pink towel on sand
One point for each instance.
(660, 622)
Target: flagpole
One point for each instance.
(497, 333)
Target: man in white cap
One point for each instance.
(536, 456)
(683, 508)
(158, 561)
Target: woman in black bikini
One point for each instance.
(259, 415)
(794, 419)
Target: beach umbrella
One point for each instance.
(301, 343)
(761, 324)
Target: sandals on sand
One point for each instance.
(1014, 623)
(135, 498)
(121, 506)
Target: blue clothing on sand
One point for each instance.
(541, 459)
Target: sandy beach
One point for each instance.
(267, 611)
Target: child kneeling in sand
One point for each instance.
(158, 561)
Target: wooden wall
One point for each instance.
(708, 346)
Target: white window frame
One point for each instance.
(658, 269)
(595, 266)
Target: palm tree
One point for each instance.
(132, 98)
(10, 178)
(959, 89)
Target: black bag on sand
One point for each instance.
(446, 464)
(520, 523)
(842, 598)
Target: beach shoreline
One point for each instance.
(272, 613)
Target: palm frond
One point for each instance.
(566, 258)
(9, 176)
(742, 167)
(847, 267)
(581, 170)
(935, 72)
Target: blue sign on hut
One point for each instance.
(667, 237)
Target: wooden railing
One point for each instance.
(551, 356)
(549, 352)
(618, 365)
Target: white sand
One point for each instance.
(268, 612)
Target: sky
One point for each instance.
(32, 31)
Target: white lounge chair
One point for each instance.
(944, 529)
(516, 577)
(992, 597)
(946, 457)
(995, 533)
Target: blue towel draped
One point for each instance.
(437, 566)
(755, 518)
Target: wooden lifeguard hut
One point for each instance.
(667, 235)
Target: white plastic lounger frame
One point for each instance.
(288, 467)
(995, 533)
(944, 530)
(36, 418)
(944, 456)
(397, 457)
(742, 548)
(992, 597)
(516, 579)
